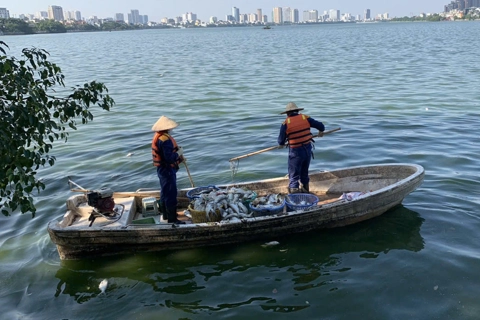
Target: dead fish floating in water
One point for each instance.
(130, 154)
(103, 285)
(270, 244)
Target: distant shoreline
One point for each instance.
(230, 26)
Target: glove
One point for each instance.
(180, 151)
(282, 146)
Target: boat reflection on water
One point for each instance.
(305, 261)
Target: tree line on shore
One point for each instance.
(19, 26)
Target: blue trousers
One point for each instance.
(298, 164)
(168, 185)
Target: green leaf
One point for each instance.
(25, 103)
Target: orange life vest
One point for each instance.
(298, 130)
(157, 159)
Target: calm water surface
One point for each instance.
(406, 92)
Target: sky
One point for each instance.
(158, 9)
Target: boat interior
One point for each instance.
(138, 208)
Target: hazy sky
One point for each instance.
(157, 9)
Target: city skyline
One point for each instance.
(156, 10)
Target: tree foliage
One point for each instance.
(32, 118)
(50, 26)
(15, 26)
(432, 17)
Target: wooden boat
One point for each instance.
(383, 186)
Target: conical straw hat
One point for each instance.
(291, 106)
(164, 124)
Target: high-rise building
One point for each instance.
(295, 16)
(77, 15)
(55, 13)
(4, 13)
(287, 14)
(277, 16)
(236, 14)
(72, 15)
(68, 15)
(310, 16)
(119, 17)
(367, 14)
(189, 17)
(243, 18)
(41, 15)
(135, 17)
(259, 15)
(334, 15)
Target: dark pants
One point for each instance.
(168, 186)
(298, 164)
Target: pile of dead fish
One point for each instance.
(230, 203)
(270, 202)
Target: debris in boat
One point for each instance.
(270, 244)
(130, 154)
(349, 196)
(103, 285)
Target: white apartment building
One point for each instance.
(310, 16)
(295, 16)
(4, 13)
(134, 17)
(236, 14)
(243, 18)
(119, 17)
(189, 17)
(55, 13)
(77, 15)
(287, 14)
(41, 15)
(72, 15)
(259, 15)
(334, 15)
(277, 15)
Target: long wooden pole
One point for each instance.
(321, 134)
(188, 172)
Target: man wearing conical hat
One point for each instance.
(167, 155)
(296, 130)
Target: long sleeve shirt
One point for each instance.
(282, 137)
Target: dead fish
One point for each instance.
(270, 244)
(103, 285)
(130, 154)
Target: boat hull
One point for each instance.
(75, 243)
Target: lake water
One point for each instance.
(401, 92)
